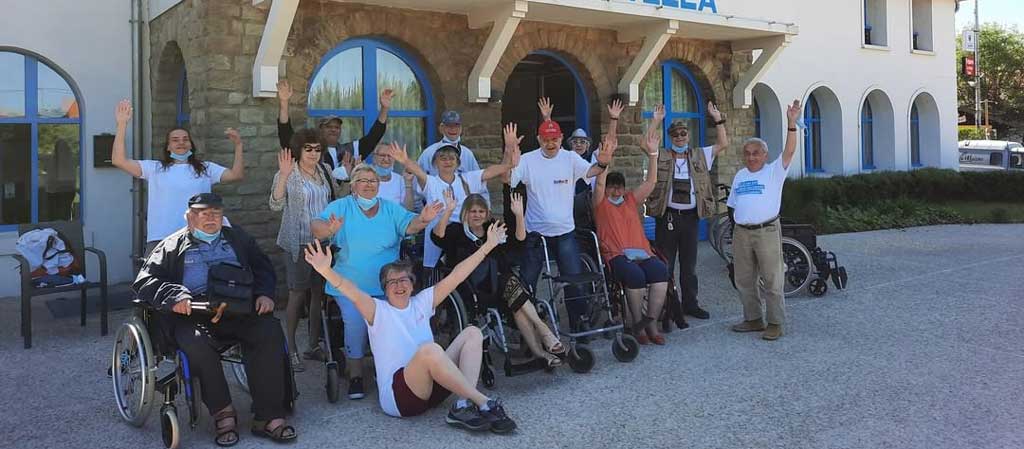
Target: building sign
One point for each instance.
(693, 5)
(970, 41)
(969, 68)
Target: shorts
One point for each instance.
(408, 403)
(636, 275)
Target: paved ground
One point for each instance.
(925, 350)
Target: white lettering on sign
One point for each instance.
(974, 158)
(693, 5)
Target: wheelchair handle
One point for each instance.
(216, 310)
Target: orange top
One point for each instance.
(619, 227)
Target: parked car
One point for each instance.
(983, 155)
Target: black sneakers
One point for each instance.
(496, 417)
(467, 417)
(355, 388)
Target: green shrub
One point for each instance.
(888, 214)
(971, 133)
(999, 215)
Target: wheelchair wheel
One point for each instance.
(169, 429)
(723, 243)
(133, 373)
(797, 265)
(625, 348)
(449, 319)
(581, 359)
(818, 287)
(332, 383)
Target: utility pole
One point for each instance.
(977, 69)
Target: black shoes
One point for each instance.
(355, 388)
(496, 417)
(467, 417)
(698, 313)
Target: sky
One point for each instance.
(1007, 12)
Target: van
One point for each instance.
(985, 155)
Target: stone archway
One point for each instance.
(166, 89)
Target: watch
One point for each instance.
(720, 122)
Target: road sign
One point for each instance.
(970, 41)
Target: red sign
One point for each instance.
(969, 69)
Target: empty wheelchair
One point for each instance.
(141, 346)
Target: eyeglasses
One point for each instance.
(447, 158)
(406, 280)
(311, 148)
(367, 181)
(679, 134)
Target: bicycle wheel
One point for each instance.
(724, 241)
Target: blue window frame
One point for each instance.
(347, 84)
(757, 121)
(183, 113)
(40, 142)
(867, 137)
(812, 136)
(915, 137)
(685, 101)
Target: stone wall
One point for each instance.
(217, 41)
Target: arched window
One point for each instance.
(348, 82)
(757, 120)
(867, 137)
(183, 110)
(40, 143)
(915, 137)
(812, 142)
(673, 81)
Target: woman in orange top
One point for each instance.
(624, 246)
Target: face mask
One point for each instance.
(181, 157)
(681, 149)
(366, 204)
(206, 237)
(617, 200)
(454, 141)
(383, 172)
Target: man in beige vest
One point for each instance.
(684, 194)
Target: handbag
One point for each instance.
(231, 284)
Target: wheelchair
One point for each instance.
(141, 345)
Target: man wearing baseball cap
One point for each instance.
(550, 175)
(451, 134)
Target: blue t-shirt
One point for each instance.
(367, 244)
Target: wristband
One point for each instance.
(613, 118)
(792, 130)
(602, 165)
(720, 122)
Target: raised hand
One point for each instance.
(714, 112)
(123, 111)
(449, 199)
(516, 204)
(659, 113)
(285, 163)
(429, 213)
(512, 140)
(318, 257)
(496, 233)
(793, 112)
(652, 142)
(334, 223)
(233, 136)
(545, 107)
(385, 98)
(615, 109)
(398, 153)
(284, 91)
(608, 146)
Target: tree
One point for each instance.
(1001, 51)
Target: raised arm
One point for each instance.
(604, 157)
(495, 233)
(656, 122)
(369, 142)
(320, 259)
(399, 154)
(446, 216)
(722, 139)
(510, 158)
(323, 229)
(598, 195)
(285, 164)
(791, 114)
(284, 124)
(427, 215)
(409, 198)
(237, 171)
(614, 112)
(516, 204)
(118, 155)
(650, 146)
(545, 106)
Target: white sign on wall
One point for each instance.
(970, 40)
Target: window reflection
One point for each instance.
(16, 171)
(394, 74)
(59, 156)
(339, 83)
(55, 97)
(12, 85)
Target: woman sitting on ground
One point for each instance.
(625, 248)
(492, 282)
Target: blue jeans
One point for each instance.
(567, 254)
(356, 338)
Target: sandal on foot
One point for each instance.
(283, 433)
(553, 362)
(641, 326)
(556, 348)
(227, 436)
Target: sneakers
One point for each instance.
(698, 313)
(749, 326)
(496, 417)
(467, 417)
(355, 388)
(772, 332)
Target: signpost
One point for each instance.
(970, 41)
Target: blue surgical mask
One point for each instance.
(204, 236)
(366, 204)
(383, 172)
(445, 139)
(681, 149)
(181, 157)
(617, 200)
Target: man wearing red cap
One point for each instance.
(550, 175)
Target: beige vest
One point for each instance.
(699, 175)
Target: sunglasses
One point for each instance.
(311, 148)
(679, 134)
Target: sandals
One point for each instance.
(283, 433)
(227, 436)
(556, 348)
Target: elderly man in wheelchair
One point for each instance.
(624, 247)
(202, 281)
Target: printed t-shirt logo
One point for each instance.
(750, 188)
(561, 181)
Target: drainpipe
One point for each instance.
(138, 234)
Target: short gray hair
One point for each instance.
(361, 168)
(756, 141)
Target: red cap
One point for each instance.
(549, 129)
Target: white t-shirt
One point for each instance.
(395, 336)
(682, 171)
(434, 191)
(168, 192)
(467, 161)
(757, 197)
(394, 189)
(550, 188)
